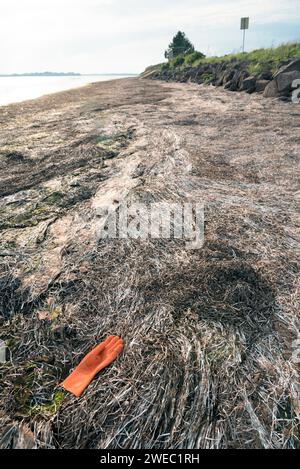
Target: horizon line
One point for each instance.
(22, 74)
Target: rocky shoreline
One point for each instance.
(235, 76)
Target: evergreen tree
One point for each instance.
(180, 45)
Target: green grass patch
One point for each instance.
(207, 77)
(273, 55)
(49, 408)
(257, 61)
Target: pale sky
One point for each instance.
(102, 36)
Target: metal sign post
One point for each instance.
(244, 26)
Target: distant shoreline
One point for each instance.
(71, 74)
(20, 89)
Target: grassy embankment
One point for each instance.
(257, 61)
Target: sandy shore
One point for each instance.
(208, 359)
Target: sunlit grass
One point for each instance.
(257, 60)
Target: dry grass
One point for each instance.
(208, 333)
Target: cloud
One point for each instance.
(100, 35)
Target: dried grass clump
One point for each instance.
(198, 367)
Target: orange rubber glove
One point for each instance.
(100, 357)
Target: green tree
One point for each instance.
(180, 45)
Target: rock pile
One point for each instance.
(235, 76)
(284, 81)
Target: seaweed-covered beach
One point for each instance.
(209, 355)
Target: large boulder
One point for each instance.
(248, 84)
(231, 86)
(228, 76)
(219, 82)
(271, 90)
(261, 85)
(293, 66)
(235, 83)
(285, 80)
(282, 85)
(241, 77)
(235, 80)
(267, 75)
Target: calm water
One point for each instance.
(16, 89)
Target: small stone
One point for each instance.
(43, 315)
(50, 301)
(138, 171)
(83, 269)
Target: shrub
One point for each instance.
(179, 60)
(207, 77)
(259, 68)
(191, 58)
(165, 66)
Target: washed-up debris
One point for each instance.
(16, 436)
(99, 358)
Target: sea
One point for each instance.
(18, 89)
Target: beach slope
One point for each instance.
(209, 356)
